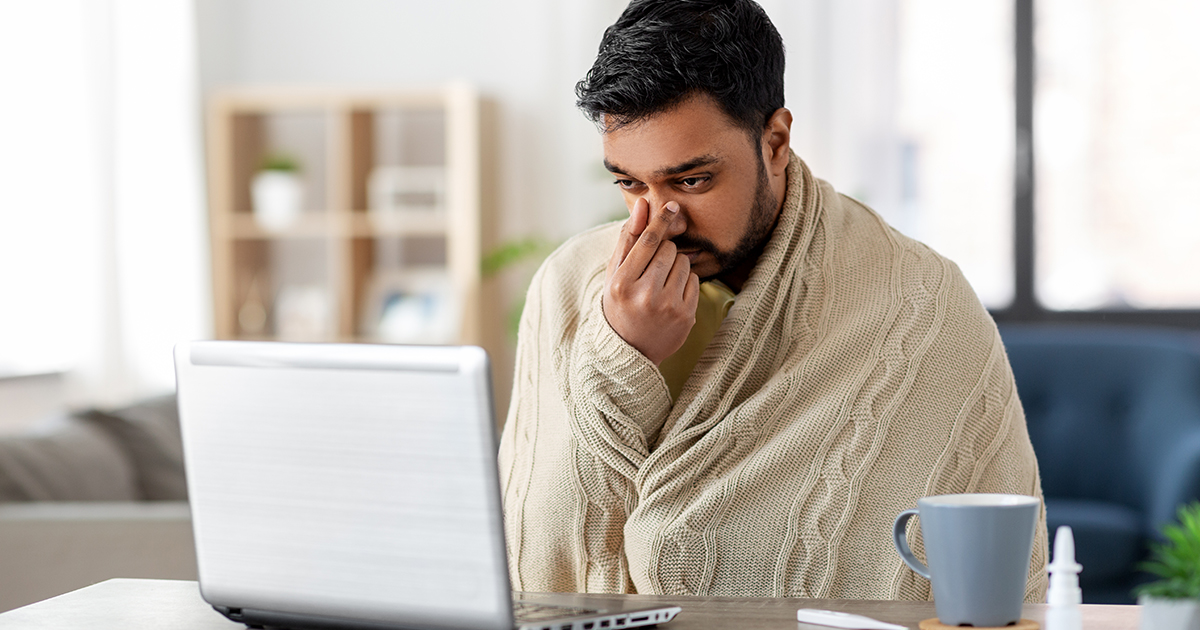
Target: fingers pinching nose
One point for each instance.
(643, 208)
(672, 219)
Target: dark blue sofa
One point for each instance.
(1114, 417)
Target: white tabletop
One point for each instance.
(124, 604)
(176, 605)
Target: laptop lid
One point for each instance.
(345, 481)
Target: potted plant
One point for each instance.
(277, 192)
(1173, 601)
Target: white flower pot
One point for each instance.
(278, 199)
(1169, 614)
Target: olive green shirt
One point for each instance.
(711, 309)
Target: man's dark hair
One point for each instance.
(661, 52)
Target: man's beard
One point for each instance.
(762, 223)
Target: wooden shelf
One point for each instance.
(363, 225)
(359, 224)
(328, 264)
(242, 226)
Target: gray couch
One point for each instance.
(1114, 417)
(91, 496)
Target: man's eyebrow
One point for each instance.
(694, 163)
(703, 160)
(613, 168)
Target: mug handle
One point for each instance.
(899, 536)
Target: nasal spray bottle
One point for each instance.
(1064, 595)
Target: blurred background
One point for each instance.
(430, 154)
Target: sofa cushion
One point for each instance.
(149, 432)
(1109, 538)
(66, 459)
(54, 547)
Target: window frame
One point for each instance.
(1025, 306)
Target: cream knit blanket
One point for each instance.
(856, 372)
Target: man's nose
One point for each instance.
(656, 203)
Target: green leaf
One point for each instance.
(1176, 561)
(513, 252)
(280, 162)
(508, 254)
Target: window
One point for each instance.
(1107, 208)
(907, 105)
(954, 123)
(48, 188)
(1117, 154)
(102, 258)
(1068, 193)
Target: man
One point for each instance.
(738, 389)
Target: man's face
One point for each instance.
(695, 155)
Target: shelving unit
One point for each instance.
(325, 277)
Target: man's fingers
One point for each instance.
(658, 271)
(658, 229)
(691, 292)
(678, 278)
(638, 218)
(633, 228)
(650, 293)
(624, 242)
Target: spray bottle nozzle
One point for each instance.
(1064, 571)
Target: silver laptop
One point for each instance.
(349, 485)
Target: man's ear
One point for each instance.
(777, 139)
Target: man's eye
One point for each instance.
(626, 184)
(693, 182)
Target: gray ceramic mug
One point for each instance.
(978, 548)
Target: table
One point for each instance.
(145, 604)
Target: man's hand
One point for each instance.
(650, 292)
